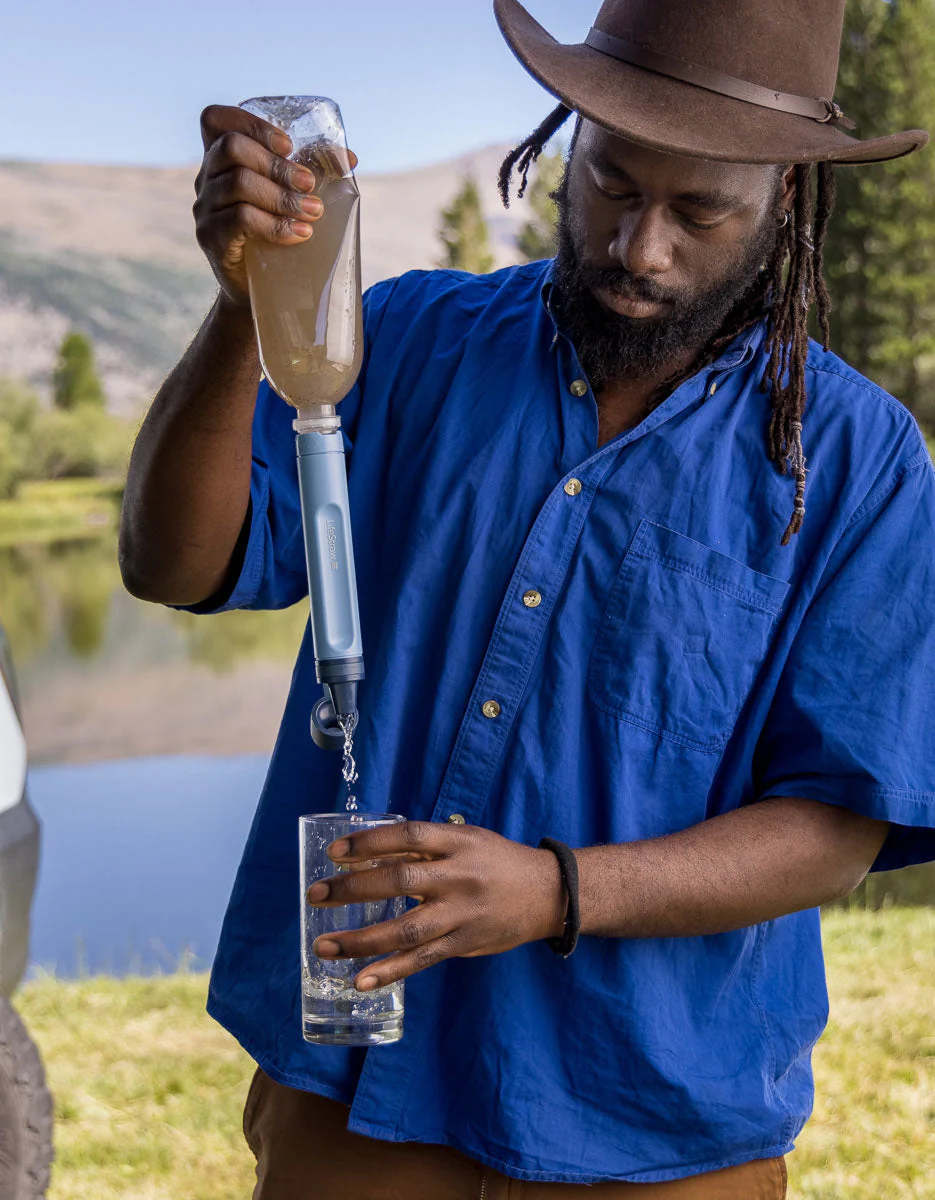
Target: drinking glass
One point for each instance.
(333, 1012)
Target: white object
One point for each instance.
(12, 752)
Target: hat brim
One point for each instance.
(679, 118)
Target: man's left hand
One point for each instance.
(478, 893)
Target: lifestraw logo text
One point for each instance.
(332, 544)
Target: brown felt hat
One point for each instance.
(736, 80)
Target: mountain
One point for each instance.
(112, 251)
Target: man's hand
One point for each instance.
(247, 188)
(482, 894)
(479, 894)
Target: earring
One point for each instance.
(785, 219)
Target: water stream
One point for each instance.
(349, 770)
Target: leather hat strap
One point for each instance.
(816, 108)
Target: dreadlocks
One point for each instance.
(792, 283)
(793, 288)
(527, 152)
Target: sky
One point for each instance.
(418, 81)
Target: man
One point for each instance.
(594, 609)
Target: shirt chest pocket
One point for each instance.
(683, 636)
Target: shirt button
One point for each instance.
(712, 389)
(456, 819)
(573, 487)
(491, 710)
(532, 599)
(579, 388)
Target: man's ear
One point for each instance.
(788, 194)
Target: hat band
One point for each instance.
(816, 108)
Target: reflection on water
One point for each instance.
(66, 600)
(105, 676)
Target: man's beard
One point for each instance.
(615, 348)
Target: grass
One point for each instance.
(873, 1133)
(60, 509)
(149, 1092)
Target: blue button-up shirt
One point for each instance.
(681, 664)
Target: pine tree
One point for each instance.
(75, 381)
(880, 258)
(464, 233)
(537, 238)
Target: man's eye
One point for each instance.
(698, 224)
(612, 195)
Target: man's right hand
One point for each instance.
(188, 487)
(247, 188)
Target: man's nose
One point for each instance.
(643, 244)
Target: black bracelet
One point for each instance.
(565, 945)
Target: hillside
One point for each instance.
(112, 251)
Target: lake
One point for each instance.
(137, 860)
(104, 676)
(149, 733)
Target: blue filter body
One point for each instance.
(329, 550)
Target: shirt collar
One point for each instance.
(740, 351)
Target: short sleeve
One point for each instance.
(273, 572)
(853, 720)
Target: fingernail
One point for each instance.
(327, 949)
(368, 983)
(281, 144)
(313, 206)
(300, 229)
(302, 179)
(318, 892)
(340, 849)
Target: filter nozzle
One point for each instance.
(339, 701)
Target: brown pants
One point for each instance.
(305, 1152)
